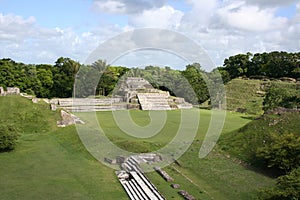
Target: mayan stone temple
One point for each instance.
(132, 93)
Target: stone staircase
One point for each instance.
(154, 101)
(135, 93)
(134, 181)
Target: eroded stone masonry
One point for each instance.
(133, 93)
(9, 91)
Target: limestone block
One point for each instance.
(68, 119)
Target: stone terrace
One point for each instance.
(154, 101)
(134, 93)
(87, 104)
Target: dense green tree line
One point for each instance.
(272, 65)
(48, 81)
(99, 78)
(42, 80)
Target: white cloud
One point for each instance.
(272, 3)
(23, 40)
(202, 11)
(291, 34)
(13, 27)
(251, 18)
(164, 17)
(126, 6)
(110, 6)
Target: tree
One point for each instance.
(100, 65)
(64, 72)
(273, 65)
(87, 80)
(109, 79)
(278, 64)
(45, 82)
(224, 74)
(237, 65)
(216, 89)
(195, 77)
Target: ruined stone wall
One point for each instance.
(9, 91)
(2, 92)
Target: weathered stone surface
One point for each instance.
(89, 104)
(27, 96)
(164, 174)
(110, 161)
(186, 195)
(120, 159)
(2, 92)
(154, 101)
(134, 180)
(133, 93)
(9, 91)
(133, 106)
(53, 107)
(179, 103)
(35, 100)
(175, 186)
(68, 119)
(281, 110)
(123, 175)
(46, 101)
(13, 91)
(288, 79)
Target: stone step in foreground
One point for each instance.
(134, 181)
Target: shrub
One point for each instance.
(281, 152)
(287, 188)
(8, 137)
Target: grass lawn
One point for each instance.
(48, 162)
(52, 163)
(248, 95)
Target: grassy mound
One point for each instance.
(244, 96)
(247, 95)
(25, 116)
(245, 141)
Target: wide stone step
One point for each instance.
(153, 101)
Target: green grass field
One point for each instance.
(248, 95)
(52, 163)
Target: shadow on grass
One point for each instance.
(6, 150)
(271, 173)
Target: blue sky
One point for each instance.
(54, 13)
(35, 31)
